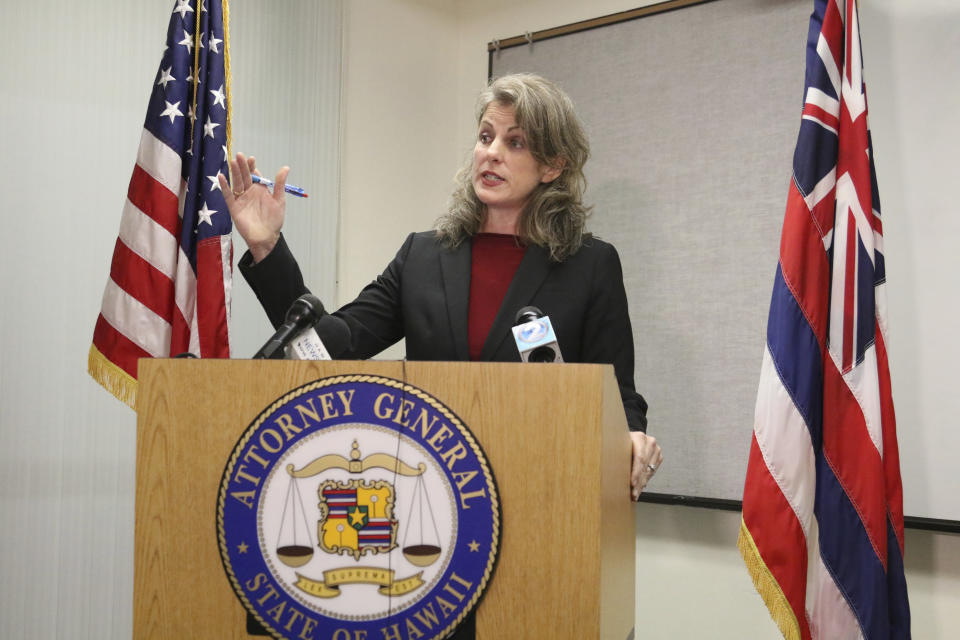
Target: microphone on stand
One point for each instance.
(534, 337)
(297, 332)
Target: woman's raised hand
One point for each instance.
(256, 213)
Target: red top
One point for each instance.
(494, 260)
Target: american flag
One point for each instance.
(822, 529)
(170, 278)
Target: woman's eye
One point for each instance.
(484, 137)
(516, 143)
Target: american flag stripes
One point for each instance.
(822, 529)
(170, 278)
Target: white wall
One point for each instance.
(691, 582)
(66, 447)
(912, 77)
(74, 86)
(399, 129)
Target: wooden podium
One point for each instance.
(555, 436)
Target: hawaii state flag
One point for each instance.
(169, 286)
(822, 529)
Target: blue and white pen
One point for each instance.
(289, 188)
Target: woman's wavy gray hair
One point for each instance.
(555, 215)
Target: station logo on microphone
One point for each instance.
(358, 507)
(534, 331)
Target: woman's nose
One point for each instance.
(495, 150)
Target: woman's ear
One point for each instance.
(552, 171)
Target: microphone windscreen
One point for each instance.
(526, 314)
(305, 310)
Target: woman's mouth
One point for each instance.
(490, 179)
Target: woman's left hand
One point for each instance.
(257, 213)
(647, 458)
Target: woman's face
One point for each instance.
(505, 173)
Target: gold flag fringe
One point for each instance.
(768, 588)
(228, 79)
(112, 378)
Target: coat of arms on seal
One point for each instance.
(358, 506)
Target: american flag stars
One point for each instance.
(172, 110)
(166, 76)
(209, 127)
(175, 83)
(206, 214)
(183, 8)
(219, 97)
(188, 41)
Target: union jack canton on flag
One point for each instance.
(822, 529)
(170, 278)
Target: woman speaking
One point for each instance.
(513, 236)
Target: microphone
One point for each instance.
(301, 316)
(534, 336)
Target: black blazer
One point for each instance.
(423, 296)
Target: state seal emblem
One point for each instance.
(358, 507)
